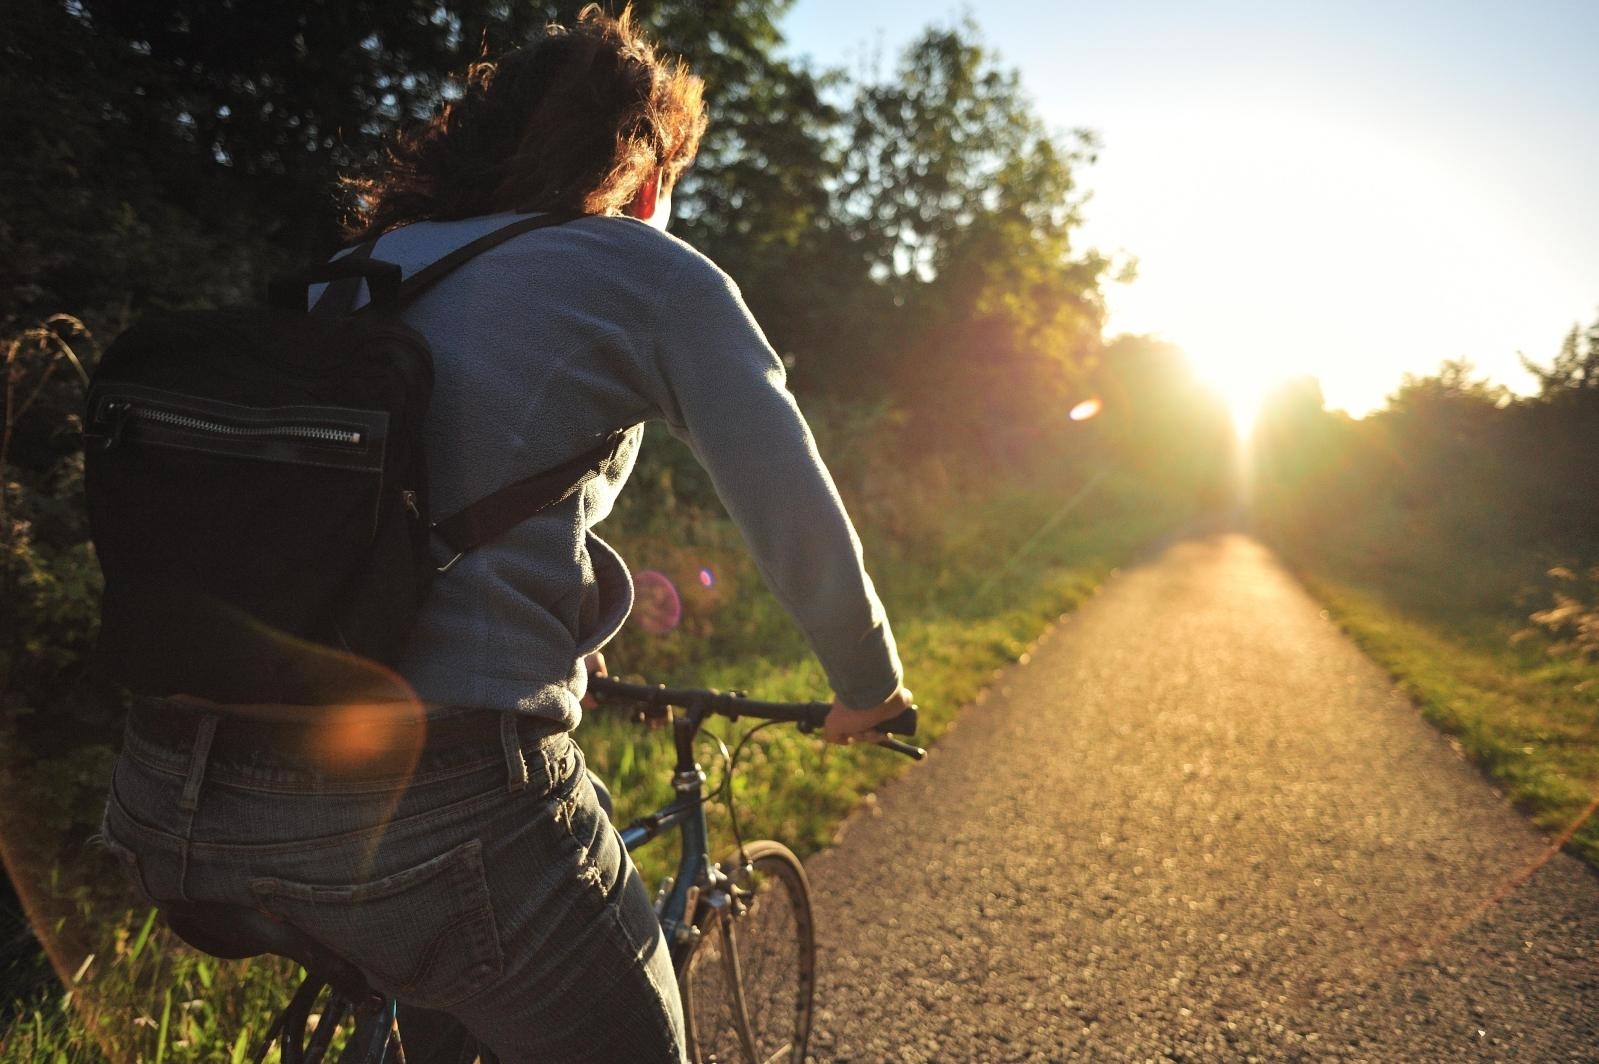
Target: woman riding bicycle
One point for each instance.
(476, 878)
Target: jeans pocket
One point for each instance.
(127, 859)
(427, 934)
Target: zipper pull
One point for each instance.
(117, 412)
(408, 497)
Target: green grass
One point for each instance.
(143, 996)
(1529, 719)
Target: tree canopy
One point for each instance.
(904, 238)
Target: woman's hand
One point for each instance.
(594, 664)
(844, 725)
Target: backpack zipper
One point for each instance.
(121, 412)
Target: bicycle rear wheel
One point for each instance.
(750, 983)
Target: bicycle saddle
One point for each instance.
(234, 932)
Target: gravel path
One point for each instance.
(1198, 825)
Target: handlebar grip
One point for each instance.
(904, 724)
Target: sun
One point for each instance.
(1241, 378)
(1243, 398)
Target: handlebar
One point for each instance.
(808, 716)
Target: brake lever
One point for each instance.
(904, 724)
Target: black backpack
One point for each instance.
(258, 496)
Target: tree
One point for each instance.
(1450, 427)
(1453, 383)
(86, 226)
(962, 204)
(948, 139)
(1575, 366)
(176, 151)
(758, 198)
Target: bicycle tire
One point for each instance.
(774, 940)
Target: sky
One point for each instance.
(1350, 190)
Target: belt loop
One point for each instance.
(515, 763)
(203, 735)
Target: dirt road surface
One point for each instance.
(1199, 825)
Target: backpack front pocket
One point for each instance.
(227, 534)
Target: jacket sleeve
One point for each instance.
(725, 395)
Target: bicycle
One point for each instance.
(740, 931)
(747, 920)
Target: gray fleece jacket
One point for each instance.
(543, 346)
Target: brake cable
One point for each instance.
(727, 781)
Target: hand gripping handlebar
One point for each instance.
(808, 716)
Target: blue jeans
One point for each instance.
(484, 887)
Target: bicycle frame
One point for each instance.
(685, 815)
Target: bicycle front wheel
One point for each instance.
(749, 984)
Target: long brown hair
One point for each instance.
(576, 121)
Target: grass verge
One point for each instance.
(1529, 719)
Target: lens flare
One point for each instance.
(352, 737)
(707, 578)
(1086, 409)
(376, 730)
(656, 605)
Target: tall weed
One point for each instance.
(1572, 623)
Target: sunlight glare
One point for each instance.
(1310, 243)
(1086, 409)
(1241, 378)
(1243, 403)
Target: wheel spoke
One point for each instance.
(771, 932)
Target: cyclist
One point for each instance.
(471, 872)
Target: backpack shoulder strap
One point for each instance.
(499, 512)
(345, 276)
(347, 272)
(434, 272)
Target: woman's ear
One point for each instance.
(647, 200)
